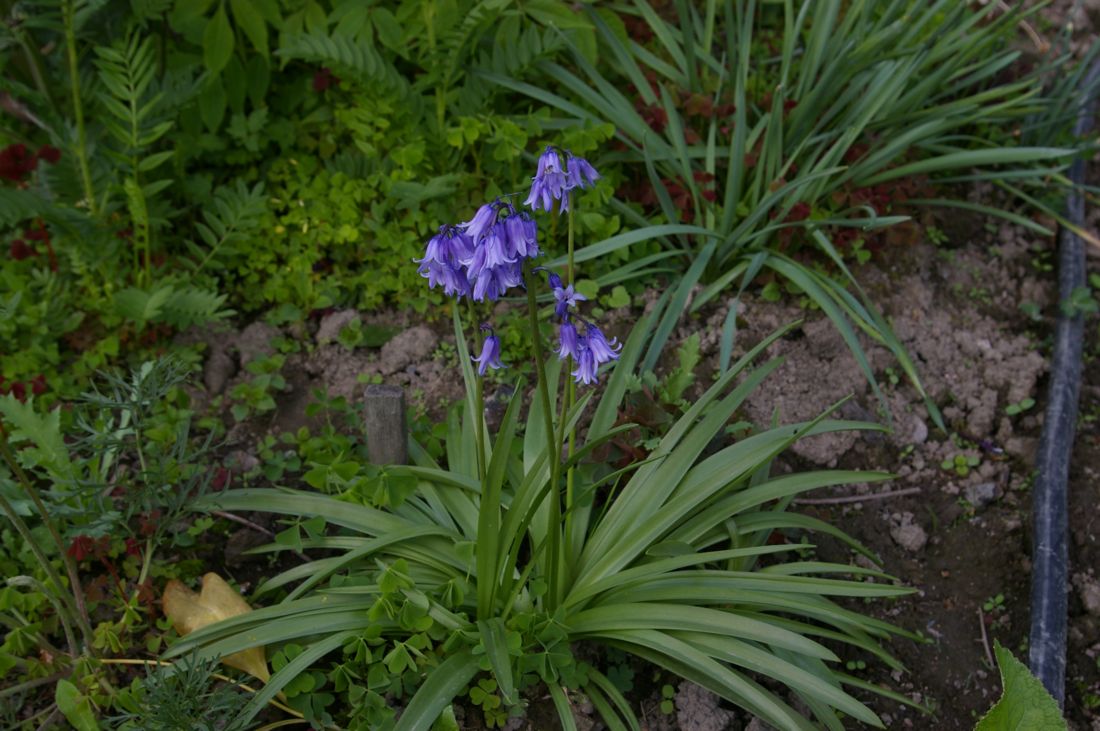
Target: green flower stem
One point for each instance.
(479, 399)
(567, 391)
(554, 446)
(570, 398)
(569, 256)
(78, 106)
(76, 592)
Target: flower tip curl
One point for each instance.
(490, 354)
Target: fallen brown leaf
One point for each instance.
(189, 611)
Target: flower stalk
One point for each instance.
(481, 259)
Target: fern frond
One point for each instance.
(19, 205)
(127, 74)
(234, 215)
(193, 306)
(348, 57)
(177, 305)
(459, 45)
(514, 59)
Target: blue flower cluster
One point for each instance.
(483, 258)
(552, 182)
(589, 350)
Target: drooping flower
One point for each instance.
(485, 217)
(585, 372)
(549, 183)
(568, 341)
(579, 172)
(490, 353)
(602, 350)
(19, 250)
(589, 351)
(489, 252)
(442, 262)
(566, 297)
(493, 283)
(494, 264)
(553, 181)
(323, 79)
(522, 234)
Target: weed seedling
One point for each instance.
(961, 464)
(936, 236)
(667, 694)
(994, 603)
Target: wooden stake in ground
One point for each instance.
(387, 431)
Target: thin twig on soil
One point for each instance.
(50, 719)
(856, 498)
(985, 639)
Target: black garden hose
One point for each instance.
(1049, 573)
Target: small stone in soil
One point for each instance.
(332, 324)
(414, 344)
(697, 709)
(218, 370)
(255, 342)
(906, 533)
(1088, 588)
(981, 494)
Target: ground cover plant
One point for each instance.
(210, 207)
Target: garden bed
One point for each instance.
(250, 294)
(954, 524)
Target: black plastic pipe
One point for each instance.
(1050, 558)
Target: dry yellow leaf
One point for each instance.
(189, 611)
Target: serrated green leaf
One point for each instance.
(41, 431)
(1025, 705)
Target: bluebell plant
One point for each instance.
(494, 252)
(500, 563)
